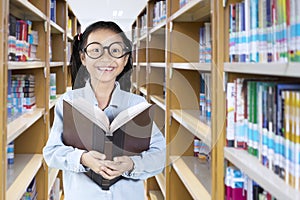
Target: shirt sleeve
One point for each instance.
(150, 162)
(56, 154)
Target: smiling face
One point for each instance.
(106, 68)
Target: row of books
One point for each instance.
(20, 91)
(201, 150)
(264, 31)
(263, 117)
(205, 96)
(31, 192)
(205, 43)
(143, 26)
(159, 12)
(238, 186)
(22, 40)
(183, 2)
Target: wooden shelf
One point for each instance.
(55, 28)
(158, 100)
(194, 11)
(205, 67)
(159, 28)
(52, 102)
(25, 65)
(51, 178)
(143, 37)
(260, 174)
(56, 64)
(272, 69)
(143, 64)
(21, 174)
(155, 195)
(161, 180)
(195, 175)
(134, 85)
(158, 64)
(192, 121)
(23, 122)
(143, 90)
(24, 9)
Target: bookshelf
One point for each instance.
(29, 130)
(249, 164)
(167, 72)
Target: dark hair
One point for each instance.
(79, 43)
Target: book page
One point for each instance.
(126, 115)
(93, 113)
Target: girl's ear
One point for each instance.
(82, 57)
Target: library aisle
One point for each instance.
(225, 76)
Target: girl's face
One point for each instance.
(106, 68)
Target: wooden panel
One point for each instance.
(185, 42)
(3, 94)
(181, 141)
(36, 135)
(58, 47)
(183, 84)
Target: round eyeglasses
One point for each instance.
(95, 50)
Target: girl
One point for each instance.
(105, 52)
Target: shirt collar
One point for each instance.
(115, 99)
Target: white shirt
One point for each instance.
(66, 158)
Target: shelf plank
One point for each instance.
(23, 122)
(272, 69)
(143, 64)
(194, 11)
(52, 102)
(266, 178)
(192, 121)
(158, 100)
(158, 64)
(159, 28)
(161, 180)
(51, 178)
(25, 65)
(143, 37)
(134, 85)
(195, 175)
(155, 195)
(23, 9)
(55, 28)
(143, 90)
(205, 67)
(56, 64)
(21, 173)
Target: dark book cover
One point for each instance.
(84, 129)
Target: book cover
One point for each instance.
(87, 127)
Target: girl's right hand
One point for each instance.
(93, 160)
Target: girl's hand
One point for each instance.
(93, 160)
(117, 167)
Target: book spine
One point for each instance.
(230, 101)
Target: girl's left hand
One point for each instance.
(117, 167)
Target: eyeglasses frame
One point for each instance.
(106, 47)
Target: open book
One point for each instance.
(87, 127)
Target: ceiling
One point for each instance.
(123, 12)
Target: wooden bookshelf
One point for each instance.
(22, 172)
(168, 74)
(260, 174)
(22, 123)
(29, 130)
(194, 174)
